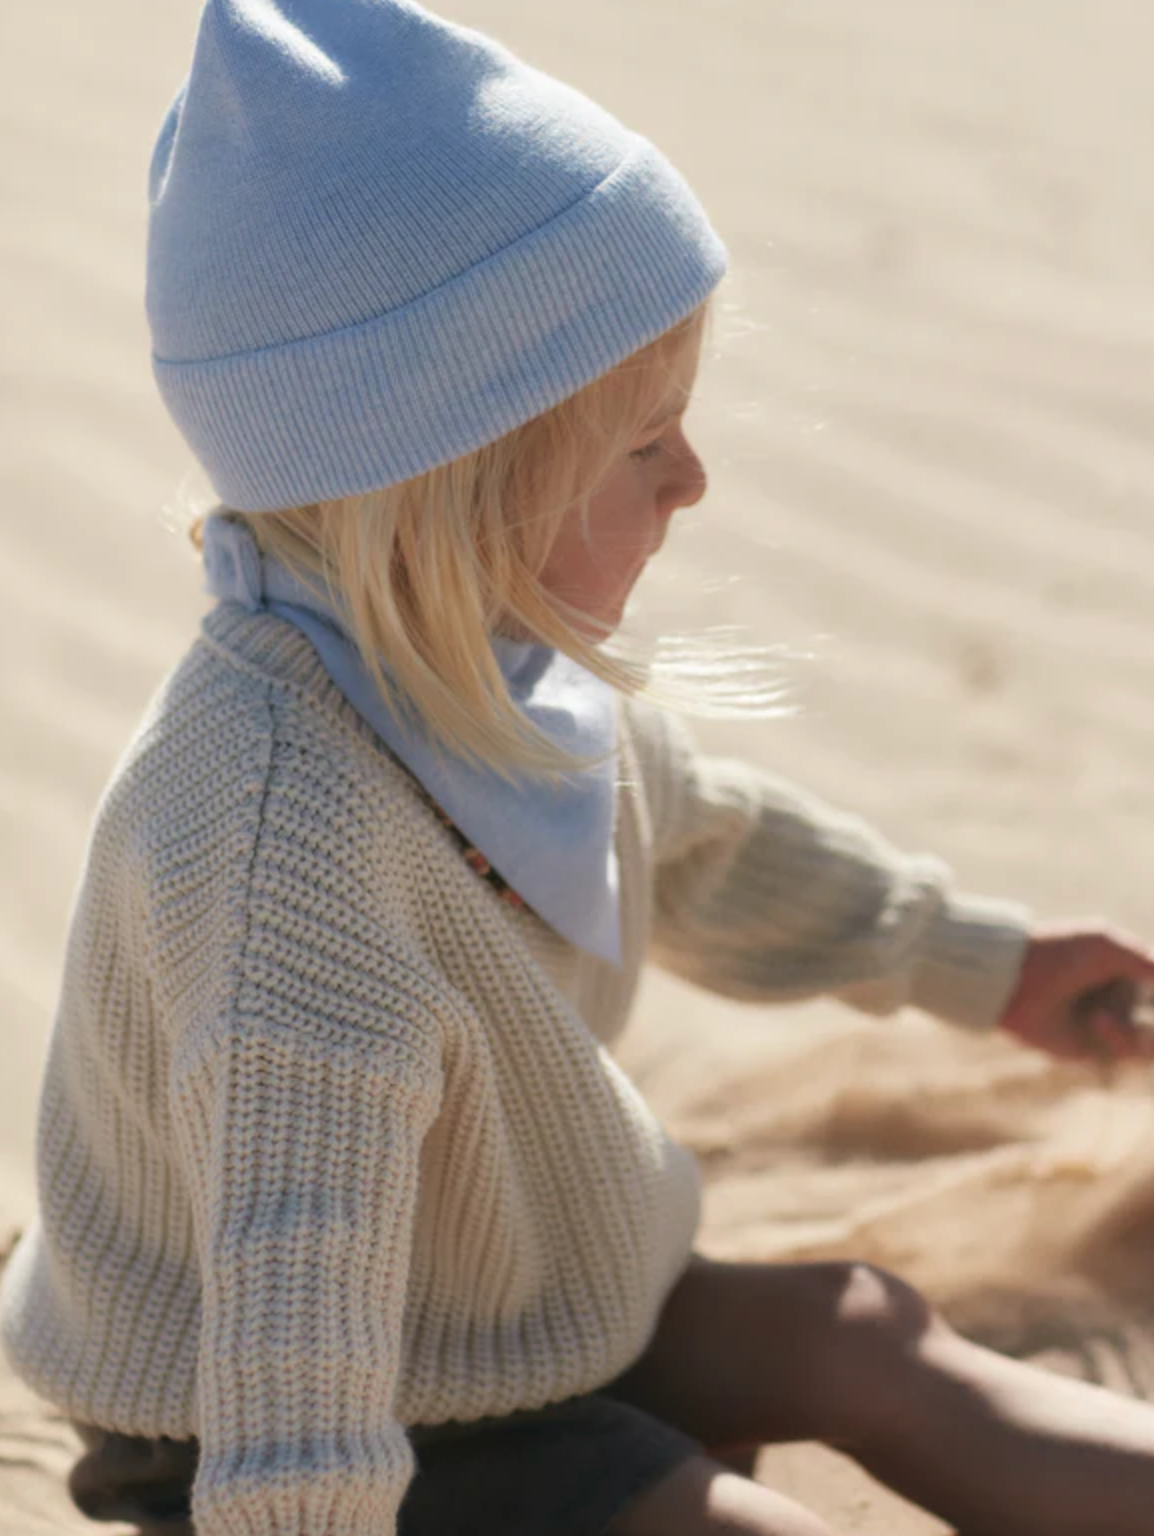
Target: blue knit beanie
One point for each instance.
(379, 241)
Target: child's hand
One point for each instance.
(1077, 994)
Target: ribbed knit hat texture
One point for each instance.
(379, 240)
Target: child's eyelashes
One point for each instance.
(650, 451)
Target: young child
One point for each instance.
(349, 1221)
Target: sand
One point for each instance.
(929, 422)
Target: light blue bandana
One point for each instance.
(553, 844)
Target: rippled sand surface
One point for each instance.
(929, 421)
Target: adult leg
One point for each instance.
(745, 1354)
(704, 1498)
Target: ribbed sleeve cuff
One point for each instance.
(343, 1500)
(972, 957)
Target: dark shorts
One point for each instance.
(564, 1470)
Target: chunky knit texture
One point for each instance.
(331, 1138)
(379, 240)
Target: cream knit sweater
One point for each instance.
(331, 1141)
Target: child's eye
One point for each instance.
(650, 451)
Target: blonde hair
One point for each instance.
(428, 569)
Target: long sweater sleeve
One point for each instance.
(764, 893)
(304, 1238)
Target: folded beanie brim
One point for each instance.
(390, 398)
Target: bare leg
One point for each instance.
(745, 1354)
(703, 1498)
(1024, 1451)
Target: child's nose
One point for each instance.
(689, 481)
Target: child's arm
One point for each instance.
(764, 893)
(301, 1142)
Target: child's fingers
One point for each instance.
(1110, 1038)
(1095, 957)
(1115, 999)
(1099, 1036)
(1122, 956)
